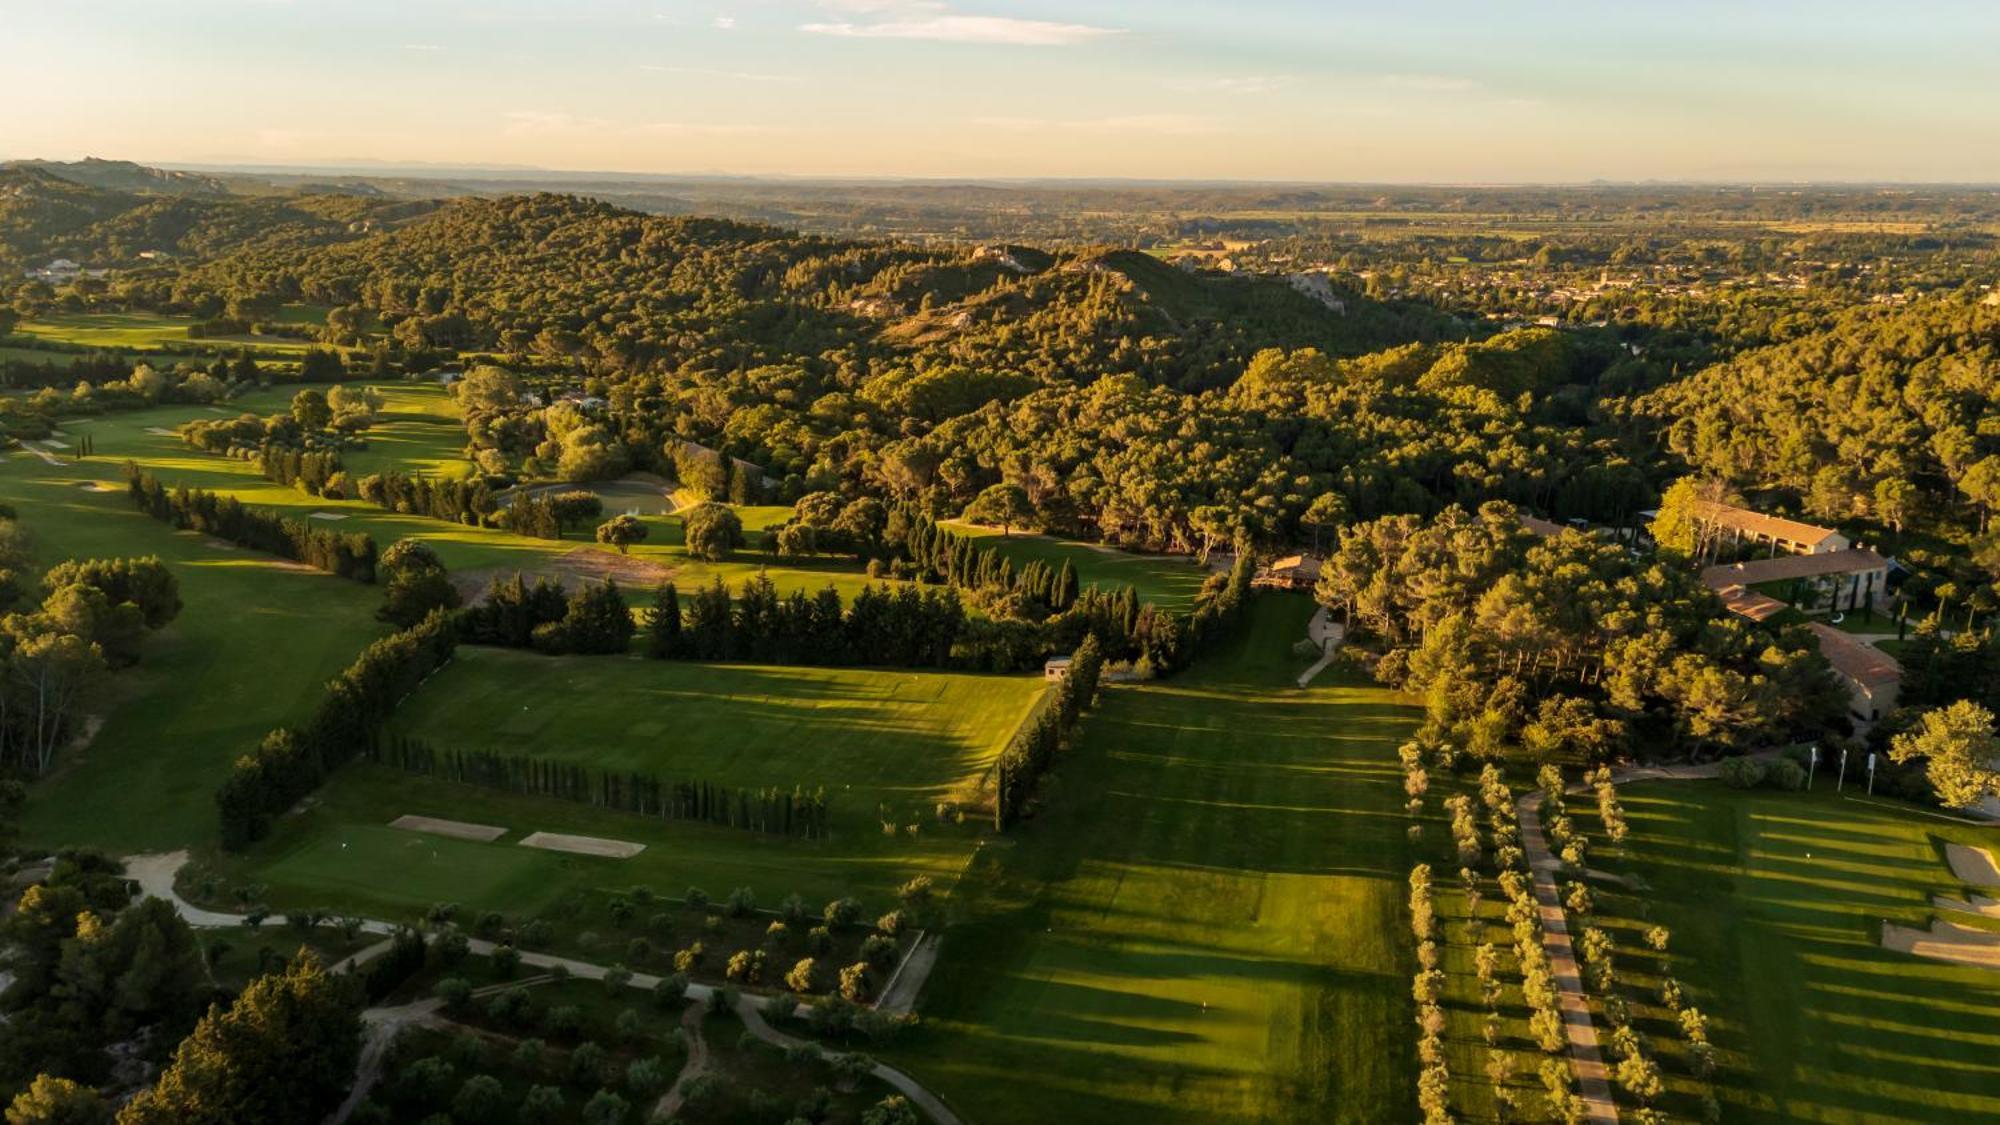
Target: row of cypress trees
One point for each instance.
(772, 810)
(292, 761)
(1040, 736)
(348, 554)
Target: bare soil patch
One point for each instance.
(582, 845)
(581, 567)
(456, 829)
(1972, 865)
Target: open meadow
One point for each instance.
(418, 432)
(149, 331)
(888, 745)
(1168, 581)
(1776, 903)
(1206, 921)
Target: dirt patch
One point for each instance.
(456, 829)
(583, 845)
(1972, 865)
(1945, 941)
(581, 567)
(97, 486)
(161, 431)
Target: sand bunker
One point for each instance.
(161, 431)
(97, 486)
(1978, 904)
(456, 829)
(580, 567)
(1945, 941)
(1972, 865)
(583, 845)
(326, 515)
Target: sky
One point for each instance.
(1460, 91)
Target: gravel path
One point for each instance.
(155, 876)
(1592, 1078)
(695, 1067)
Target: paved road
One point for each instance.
(155, 876)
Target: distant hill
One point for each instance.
(125, 176)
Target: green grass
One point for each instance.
(419, 432)
(146, 330)
(1206, 923)
(1775, 902)
(874, 738)
(249, 651)
(1168, 581)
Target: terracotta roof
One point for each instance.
(1745, 602)
(1792, 566)
(1541, 527)
(1863, 663)
(1307, 565)
(1757, 523)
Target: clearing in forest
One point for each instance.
(1207, 921)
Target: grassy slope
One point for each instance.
(1776, 902)
(872, 737)
(1206, 923)
(153, 330)
(249, 651)
(1170, 581)
(419, 433)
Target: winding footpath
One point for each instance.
(155, 874)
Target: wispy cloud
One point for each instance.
(544, 122)
(734, 75)
(1436, 83)
(724, 23)
(933, 20)
(418, 47)
(701, 129)
(1160, 123)
(1232, 83)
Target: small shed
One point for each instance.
(1057, 668)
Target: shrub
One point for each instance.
(671, 990)
(644, 1077)
(819, 940)
(1787, 775)
(480, 1099)
(854, 982)
(696, 897)
(1743, 773)
(564, 1020)
(543, 1104)
(506, 962)
(893, 923)
(456, 992)
(878, 950)
(689, 959)
(742, 903)
(605, 1108)
(842, 912)
(586, 1064)
(804, 976)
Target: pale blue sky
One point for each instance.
(1501, 90)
